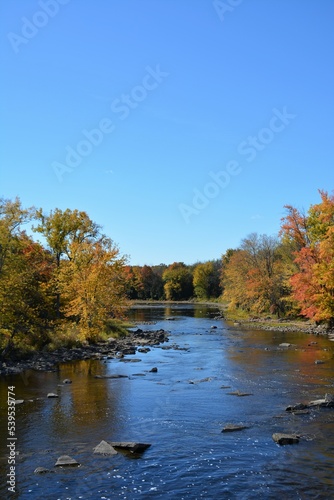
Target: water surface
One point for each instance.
(181, 411)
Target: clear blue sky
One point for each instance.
(181, 90)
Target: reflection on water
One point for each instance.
(181, 410)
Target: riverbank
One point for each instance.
(136, 341)
(281, 325)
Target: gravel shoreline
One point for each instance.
(283, 326)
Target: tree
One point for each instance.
(252, 275)
(206, 280)
(93, 286)
(313, 278)
(178, 282)
(133, 282)
(61, 229)
(12, 217)
(152, 284)
(64, 231)
(25, 270)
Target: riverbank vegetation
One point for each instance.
(70, 290)
(74, 286)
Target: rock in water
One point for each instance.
(234, 427)
(41, 470)
(130, 446)
(329, 398)
(297, 407)
(282, 439)
(105, 448)
(52, 395)
(65, 460)
(67, 381)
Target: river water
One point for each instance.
(181, 410)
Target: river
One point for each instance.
(181, 410)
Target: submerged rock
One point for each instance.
(41, 470)
(283, 439)
(240, 394)
(131, 360)
(67, 381)
(66, 461)
(105, 448)
(285, 344)
(115, 375)
(234, 427)
(52, 395)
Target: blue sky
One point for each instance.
(181, 126)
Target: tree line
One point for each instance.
(76, 285)
(177, 281)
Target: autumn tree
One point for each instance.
(24, 272)
(178, 282)
(252, 275)
(133, 282)
(64, 231)
(206, 280)
(311, 237)
(92, 284)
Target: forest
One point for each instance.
(76, 286)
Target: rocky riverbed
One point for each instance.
(136, 341)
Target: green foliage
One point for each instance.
(206, 280)
(178, 282)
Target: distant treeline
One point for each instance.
(177, 281)
(76, 285)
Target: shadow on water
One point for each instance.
(181, 410)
